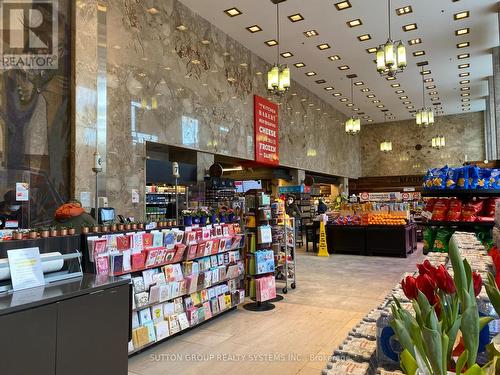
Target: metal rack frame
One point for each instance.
(290, 252)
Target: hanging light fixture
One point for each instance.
(278, 77)
(438, 142)
(391, 56)
(386, 145)
(353, 123)
(424, 116)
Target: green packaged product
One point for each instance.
(429, 236)
(442, 240)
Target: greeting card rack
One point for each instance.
(180, 278)
(259, 257)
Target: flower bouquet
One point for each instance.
(187, 216)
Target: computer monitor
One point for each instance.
(106, 214)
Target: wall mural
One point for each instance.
(36, 131)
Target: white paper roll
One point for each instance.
(47, 266)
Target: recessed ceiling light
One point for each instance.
(465, 109)
(287, 54)
(323, 46)
(394, 85)
(399, 91)
(334, 57)
(429, 80)
(310, 74)
(410, 27)
(344, 100)
(343, 67)
(390, 78)
(375, 101)
(295, 17)
(371, 50)
(430, 87)
(310, 33)
(403, 97)
(466, 88)
(254, 29)
(432, 93)
(404, 10)
(462, 31)
(349, 104)
(359, 83)
(337, 94)
(407, 102)
(354, 23)
(365, 90)
(271, 43)
(466, 99)
(380, 106)
(463, 45)
(463, 56)
(369, 120)
(465, 74)
(299, 65)
(425, 72)
(343, 5)
(414, 41)
(418, 53)
(329, 88)
(205, 42)
(259, 74)
(364, 37)
(181, 28)
(434, 98)
(466, 105)
(232, 12)
(461, 15)
(463, 66)
(153, 11)
(320, 81)
(370, 96)
(464, 82)
(311, 104)
(465, 94)
(410, 107)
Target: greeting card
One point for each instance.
(162, 330)
(102, 265)
(183, 321)
(138, 284)
(147, 240)
(144, 316)
(174, 326)
(138, 261)
(157, 312)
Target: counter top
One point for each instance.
(62, 290)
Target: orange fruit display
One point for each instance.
(386, 219)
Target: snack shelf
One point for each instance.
(466, 193)
(461, 225)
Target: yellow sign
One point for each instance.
(323, 248)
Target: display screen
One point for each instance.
(106, 214)
(244, 186)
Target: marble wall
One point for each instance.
(191, 88)
(464, 135)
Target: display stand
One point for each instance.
(258, 217)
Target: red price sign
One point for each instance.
(266, 131)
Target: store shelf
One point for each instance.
(461, 193)
(471, 226)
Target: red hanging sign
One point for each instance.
(266, 131)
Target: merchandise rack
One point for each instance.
(461, 193)
(459, 225)
(137, 272)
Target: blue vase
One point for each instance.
(196, 220)
(230, 218)
(213, 219)
(188, 221)
(203, 220)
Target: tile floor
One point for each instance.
(297, 337)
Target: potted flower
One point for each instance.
(63, 231)
(213, 216)
(133, 226)
(113, 227)
(230, 215)
(222, 214)
(85, 229)
(203, 214)
(44, 232)
(33, 234)
(187, 216)
(95, 228)
(71, 230)
(140, 225)
(105, 228)
(53, 231)
(127, 225)
(120, 227)
(445, 309)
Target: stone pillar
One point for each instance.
(298, 176)
(203, 162)
(494, 93)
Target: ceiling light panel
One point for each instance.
(418, 53)
(461, 15)
(354, 23)
(410, 27)
(334, 57)
(364, 37)
(310, 74)
(404, 10)
(271, 43)
(414, 41)
(296, 17)
(254, 29)
(463, 45)
(462, 31)
(343, 67)
(232, 12)
(323, 46)
(311, 33)
(287, 54)
(299, 65)
(343, 5)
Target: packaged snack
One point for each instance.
(440, 209)
(473, 172)
(471, 210)
(429, 204)
(429, 236)
(463, 178)
(442, 241)
(452, 178)
(484, 178)
(455, 210)
(429, 178)
(495, 179)
(440, 176)
(489, 209)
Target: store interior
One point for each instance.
(252, 187)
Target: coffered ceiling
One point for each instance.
(340, 37)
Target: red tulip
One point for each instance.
(409, 285)
(427, 268)
(444, 281)
(478, 283)
(427, 286)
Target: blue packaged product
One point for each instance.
(495, 179)
(429, 178)
(463, 178)
(483, 181)
(440, 176)
(452, 178)
(473, 172)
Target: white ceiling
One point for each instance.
(436, 28)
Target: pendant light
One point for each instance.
(386, 145)
(438, 142)
(391, 56)
(278, 77)
(424, 116)
(353, 123)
